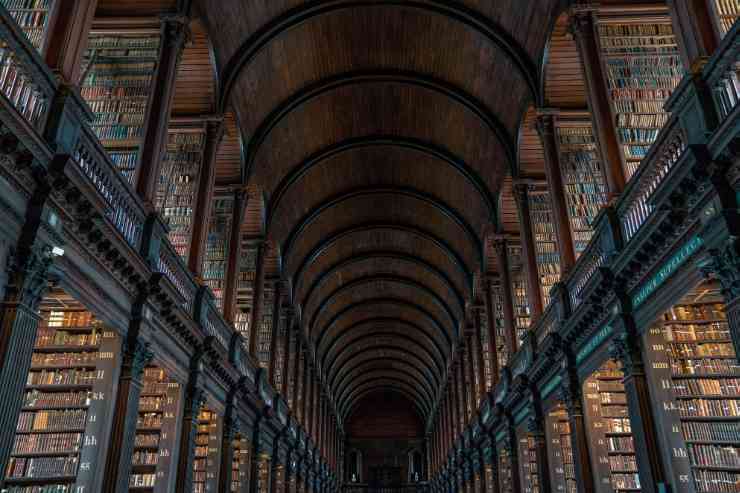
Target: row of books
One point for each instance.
(638, 134)
(41, 399)
(625, 481)
(47, 443)
(151, 403)
(705, 367)
(145, 458)
(120, 90)
(630, 120)
(42, 467)
(85, 358)
(118, 132)
(714, 455)
(149, 420)
(99, 85)
(623, 463)
(695, 313)
(118, 119)
(146, 440)
(68, 318)
(61, 377)
(719, 431)
(621, 444)
(47, 488)
(706, 349)
(704, 331)
(720, 386)
(31, 16)
(27, 4)
(703, 408)
(142, 480)
(716, 481)
(63, 419)
(123, 42)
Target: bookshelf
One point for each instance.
(545, 242)
(156, 428)
(279, 478)
(118, 70)
(530, 481)
(490, 477)
(485, 343)
(217, 248)
(585, 187)
(610, 431)
(248, 254)
(505, 472)
(62, 421)
(726, 13)
(264, 332)
(643, 67)
(206, 461)
(32, 17)
(178, 184)
(240, 465)
(695, 381)
(560, 452)
(263, 474)
(520, 300)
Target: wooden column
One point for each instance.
(566, 249)
(572, 398)
(626, 348)
(478, 351)
(255, 317)
(288, 351)
(174, 34)
(278, 334)
(306, 394)
(66, 38)
(27, 281)
(583, 28)
(536, 430)
(511, 444)
(696, 31)
(467, 374)
(482, 466)
(534, 292)
(491, 316)
(192, 402)
(228, 433)
(204, 199)
(462, 397)
(135, 356)
(232, 265)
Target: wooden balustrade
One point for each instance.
(722, 73)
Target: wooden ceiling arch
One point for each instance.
(385, 384)
(358, 401)
(408, 380)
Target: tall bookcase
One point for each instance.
(505, 469)
(118, 71)
(32, 17)
(643, 67)
(560, 452)
(545, 242)
(726, 13)
(156, 429)
(206, 462)
(695, 382)
(178, 184)
(62, 423)
(240, 464)
(245, 289)
(217, 248)
(529, 477)
(263, 473)
(585, 187)
(485, 344)
(610, 431)
(264, 332)
(520, 300)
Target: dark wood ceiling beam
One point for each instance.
(438, 243)
(375, 377)
(444, 209)
(385, 278)
(299, 171)
(384, 255)
(358, 397)
(400, 303)
(392, 365)
(272, 31)
(384, 384)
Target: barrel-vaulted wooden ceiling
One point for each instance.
(378, 134)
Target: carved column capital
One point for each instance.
(723, 264)
(545, 125)
(176, 30)
(625, 349)
(581, 19)
(27, 274)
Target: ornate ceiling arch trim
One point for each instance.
(444, 209)
(315, 90)
(496, 34)
(385, 255)
(351, 335)
(391, 279)
(339, 383)
(384, 384)
(390, 301)
(382, 381)
(417, 145)
(439, 243)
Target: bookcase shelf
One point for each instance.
(726, 13)
(155, 431)
(56, 445)
(585, 187)
(118, 70)
(643, 67)
(530, 480)
(32, 17)
(699, 414)
(545, 242)
(240, 464)
(178, 184)
(205, 462)
(610, 430)
(505, 470)
(560, 452)
(217, 248)
(264, 332)
(520, 300)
